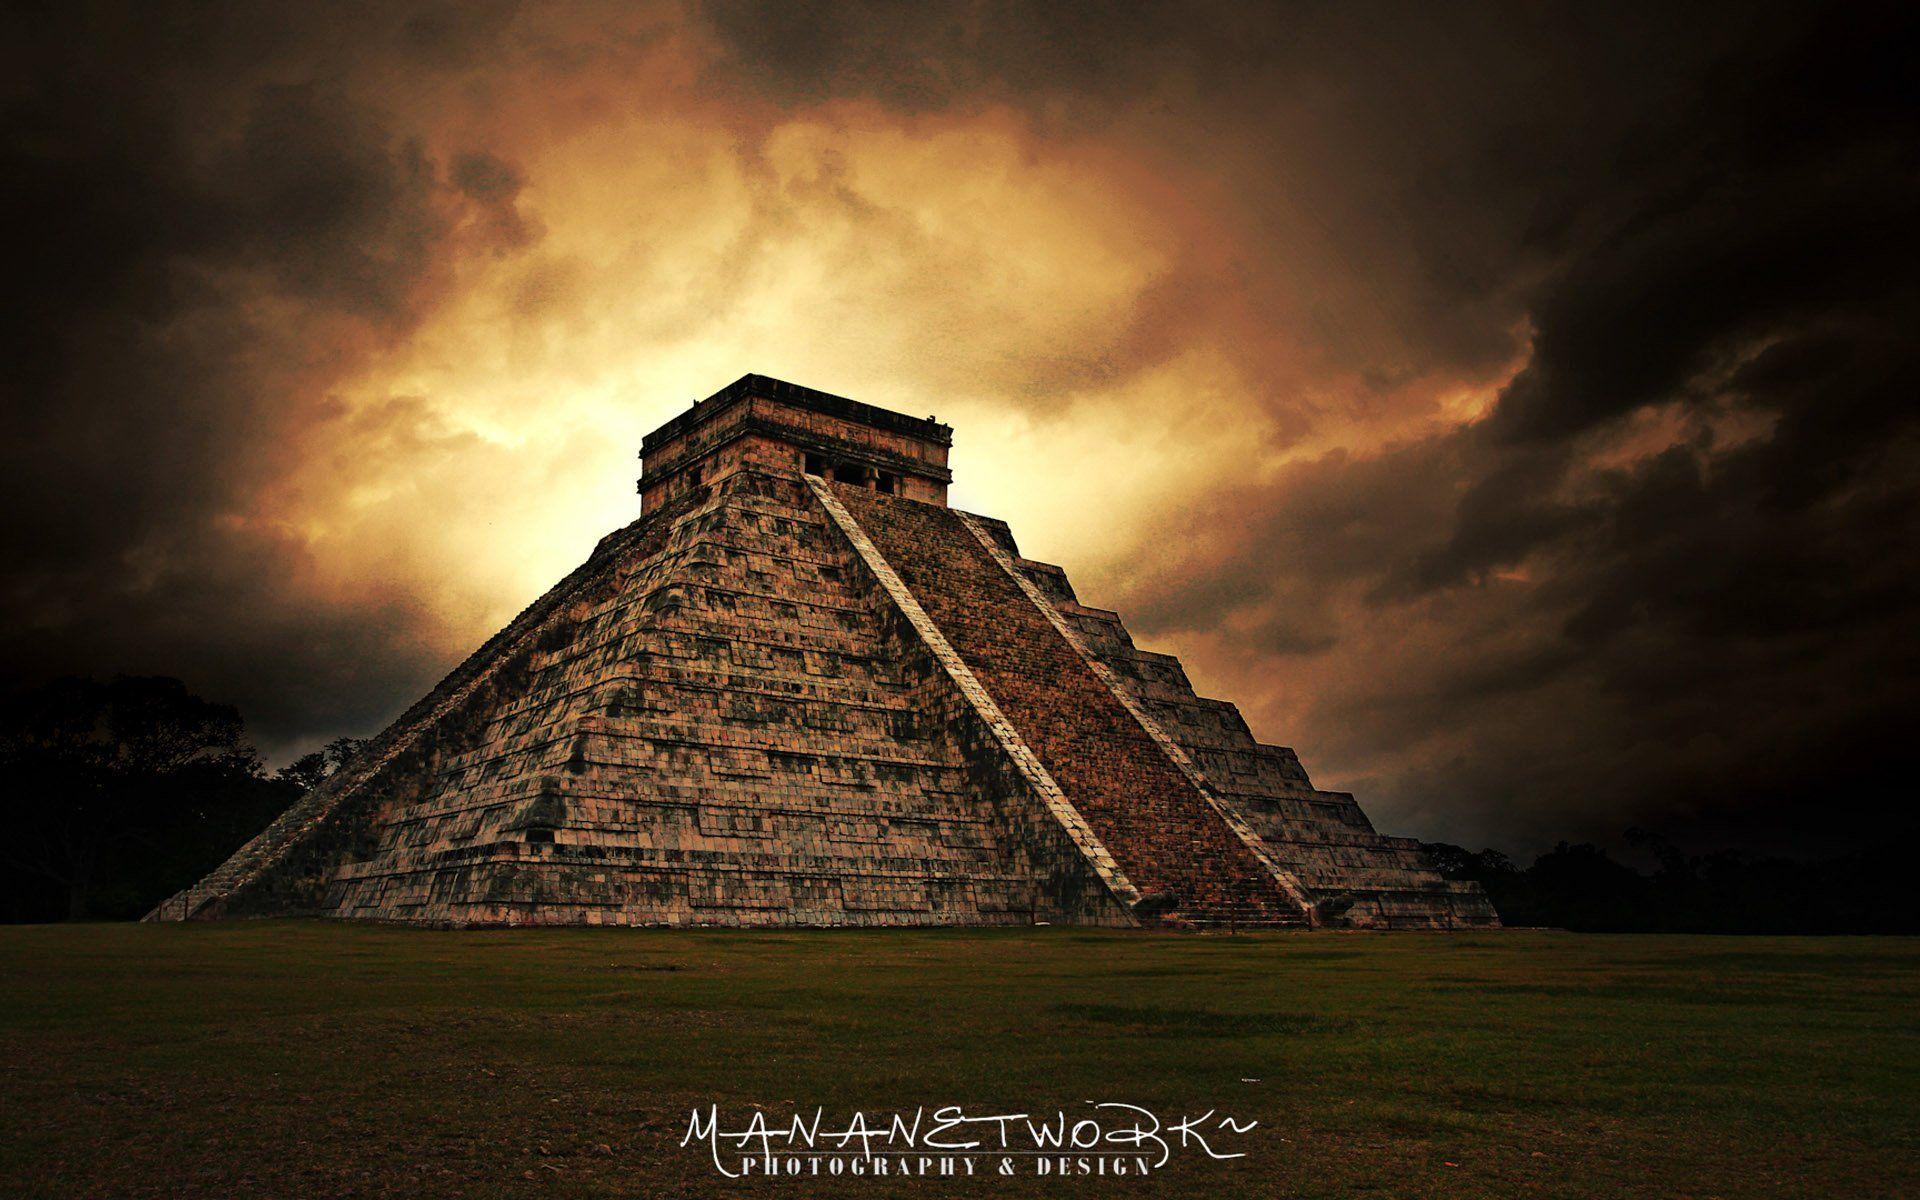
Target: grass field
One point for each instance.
(297, 1059)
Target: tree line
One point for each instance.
(117, 794)
(1583, 887)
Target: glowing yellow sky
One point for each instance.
(1100, 322)
(1480, 397)
(958, 265)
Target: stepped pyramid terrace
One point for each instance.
(801, 690)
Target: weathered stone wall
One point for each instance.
(1355, 875)
(1159, 828)
(800, 421)
(736, 728)
(780, 701)
(285, 868)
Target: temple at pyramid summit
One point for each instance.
(802, 690)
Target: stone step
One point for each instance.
(1163, 832)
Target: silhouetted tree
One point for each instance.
(117, 793)
(311, 770)
(1582, 887)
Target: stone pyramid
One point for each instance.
(801, 690)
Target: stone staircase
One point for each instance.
(735, 713)
(246, 862)
(1188, 863)
(1354, 875)
(1230, 918)
(740, 734)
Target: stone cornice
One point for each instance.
(833, 448)
(807, 398)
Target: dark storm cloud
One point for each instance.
(208, 233)
(1667, 574)
(925, 56)
(1728, 621)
